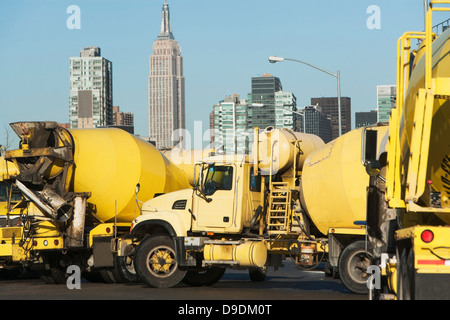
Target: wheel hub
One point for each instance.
(162, 261)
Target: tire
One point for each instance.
(206, 277)
(124, 271)
(353, 263)
(257, 274)
(107, 275)
(405, 278)
(156, 263)
(55, 274)
(93, 276)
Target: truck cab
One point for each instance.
(223, 200)
(210, 223)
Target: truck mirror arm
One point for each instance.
(200, 193)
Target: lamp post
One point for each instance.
(337, 75)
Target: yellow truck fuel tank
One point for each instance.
(110, 163)
(334, 181)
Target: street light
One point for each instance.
(274, 59)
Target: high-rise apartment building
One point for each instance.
(166, 87)
(91, 97)
(386, 100)
(230, 124)
(286, 115)
(330, 107)
(123, 120)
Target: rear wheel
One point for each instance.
(205, 277)
(156, 263)
(124, 271)
(353, 263)
(55, 272)
(257, 274)
(107, 275)
(406, 272)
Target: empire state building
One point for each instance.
(166, 87)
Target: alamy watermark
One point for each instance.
(374, 20)
(74, 20)
(74, 279)
(374, 280)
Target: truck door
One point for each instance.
(215, 208)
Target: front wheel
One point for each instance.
(155, 262)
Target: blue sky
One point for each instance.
(224, 43)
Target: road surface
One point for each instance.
(288, 283)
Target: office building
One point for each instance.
(91, 97)
(330, 107)
(263, 94)
(166, 87)
(269, 105)
(363, 119)
(315, 121)
(386, 100)
(233, 119)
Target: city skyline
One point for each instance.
(219, 55)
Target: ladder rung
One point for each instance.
(277, 231)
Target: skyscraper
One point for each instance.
(91, 98)
(166, 87)
(316, 122)
(330, 107)
(263, 92)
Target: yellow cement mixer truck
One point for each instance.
(69, 195)
(293, 196)
(408, 213)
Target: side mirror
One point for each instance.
(369, 153)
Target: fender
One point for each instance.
(176, 224)
(152, 226)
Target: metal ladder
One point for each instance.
(278, 213)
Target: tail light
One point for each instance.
(427, 236)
